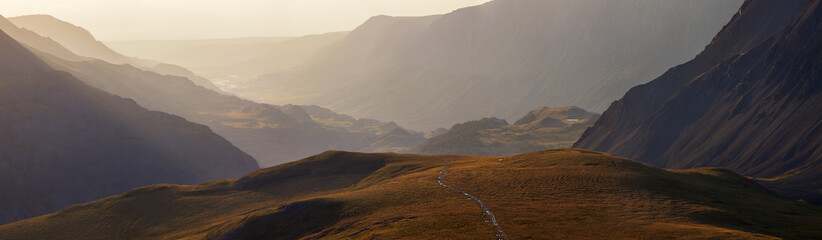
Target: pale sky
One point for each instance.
(199, 19)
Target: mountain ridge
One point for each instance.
(759, 118)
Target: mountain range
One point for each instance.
(503, 59)
(274, 140)
(232, 62)
(65, 142)
(70, 42)
(751, 102)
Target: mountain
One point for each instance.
(398, 141)
(31, 40)
(751, 102)
(248, 125)
(233, 61)
(80, 42)
(16, 60)
(501, 58)
(74, 38)
(66, 143)
(541, 129)
(571, 194)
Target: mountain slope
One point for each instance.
(751, 103)
(15, 60)
(434, 71)
(270, 140)
(80, 41)
(266, 132)
(571, 194)
(66, 143)
(30, 40)
(75, 38)
(541, 129)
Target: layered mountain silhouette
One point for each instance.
(271, 140)
(503, 58)
(80, 42)
(541, 129)
(232, 62)
(64, 142)
(570, 194)
(751, 102)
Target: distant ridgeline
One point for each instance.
(540, 129)
(751, 102)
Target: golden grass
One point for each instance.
(557, 194)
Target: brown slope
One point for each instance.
(66, 143)
(756, 113)
(559, 194)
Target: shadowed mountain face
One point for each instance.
(570, 194)
(272, 134)
(64, 142)
(502, 58)
(80, 42)
(751, 102)
(541, 129)
(16, 61)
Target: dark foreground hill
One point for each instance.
(751, 103)
(557, 194)
(63, 142)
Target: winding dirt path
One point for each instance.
(487, 214)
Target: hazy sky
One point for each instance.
(196, 19)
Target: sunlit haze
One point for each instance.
(198, 19)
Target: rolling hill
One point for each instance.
(751, 103)
(64, 142)
(502, 58)
(541, 129)
(569, 194)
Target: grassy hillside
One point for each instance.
(555, 194)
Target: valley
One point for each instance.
(569, 119)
